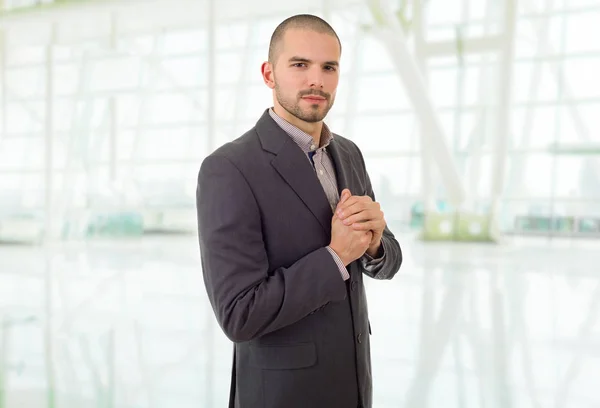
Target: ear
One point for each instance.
(267, 74)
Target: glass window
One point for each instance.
(536, 178)
(24, 117)
(178, 72)
(380, 92)
(534, 81)
(394, 176)
(67, 78)
(534, 127)
(588, 113)
(374, 56)
(26, 82)
(184, 41)
(236, 34)
(21, 153)
(583, 32)
(230, 67)
(444, 11)
(385, 133)
(539, 37)
(442, 86)
(25, 54)
(581, 75)
(173, 108)
(114, 74)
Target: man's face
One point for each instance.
(306, 74)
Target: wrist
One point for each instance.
(339, 254)
(375, 251)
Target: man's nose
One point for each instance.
(316, 78)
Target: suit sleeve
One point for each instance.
(388, 265)
(247, 300)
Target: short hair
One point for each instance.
(301, 21)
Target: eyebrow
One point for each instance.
(301, 59)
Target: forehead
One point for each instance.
(310, 44)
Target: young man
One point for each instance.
(288, 225)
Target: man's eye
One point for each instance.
(330, 68)
(299, 64)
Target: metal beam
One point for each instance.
(48, 224)
(326, 5)
(505, 96)
(468, 46)
(477, 136)
(353, 81)
(426, 156)
(3, 83)
(391, 34)
(48, 137)
(112, 109)
(211, 128)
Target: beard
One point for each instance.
(314, 113)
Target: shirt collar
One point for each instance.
(300, 137)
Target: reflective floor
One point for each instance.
(126, 323)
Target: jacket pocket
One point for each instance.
(284, 356)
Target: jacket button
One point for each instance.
(359, 338)
(354, 285)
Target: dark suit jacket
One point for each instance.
(301, 333)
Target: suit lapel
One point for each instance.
(295, 168)
(338, 157)
(299, 174)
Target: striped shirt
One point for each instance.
(325, 171)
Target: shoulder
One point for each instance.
(236, 151)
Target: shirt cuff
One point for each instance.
(368, 260)
(340, 264)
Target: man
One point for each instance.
(283, 251)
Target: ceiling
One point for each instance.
(34, 25)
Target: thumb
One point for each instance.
(346, 194)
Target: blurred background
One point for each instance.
(479, 123)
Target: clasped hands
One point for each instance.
(357, 227)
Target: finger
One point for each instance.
(345, 199)
(367, 225)
(346, 194)
(362, 226)
(363, 200)
(362, 216)
(353, 206)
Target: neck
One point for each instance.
(313, 129)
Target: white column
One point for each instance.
(48, 135)
(48, 224)
(426, 155)
(3, 82)
(212, 89)
(353, 75)
(211, 101)
(327, 11)
(505, 98)
(112, 110)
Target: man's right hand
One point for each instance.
(347, 243)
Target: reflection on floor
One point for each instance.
(127, 324)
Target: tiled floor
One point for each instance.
(462, 325)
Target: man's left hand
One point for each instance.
(362, 213)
